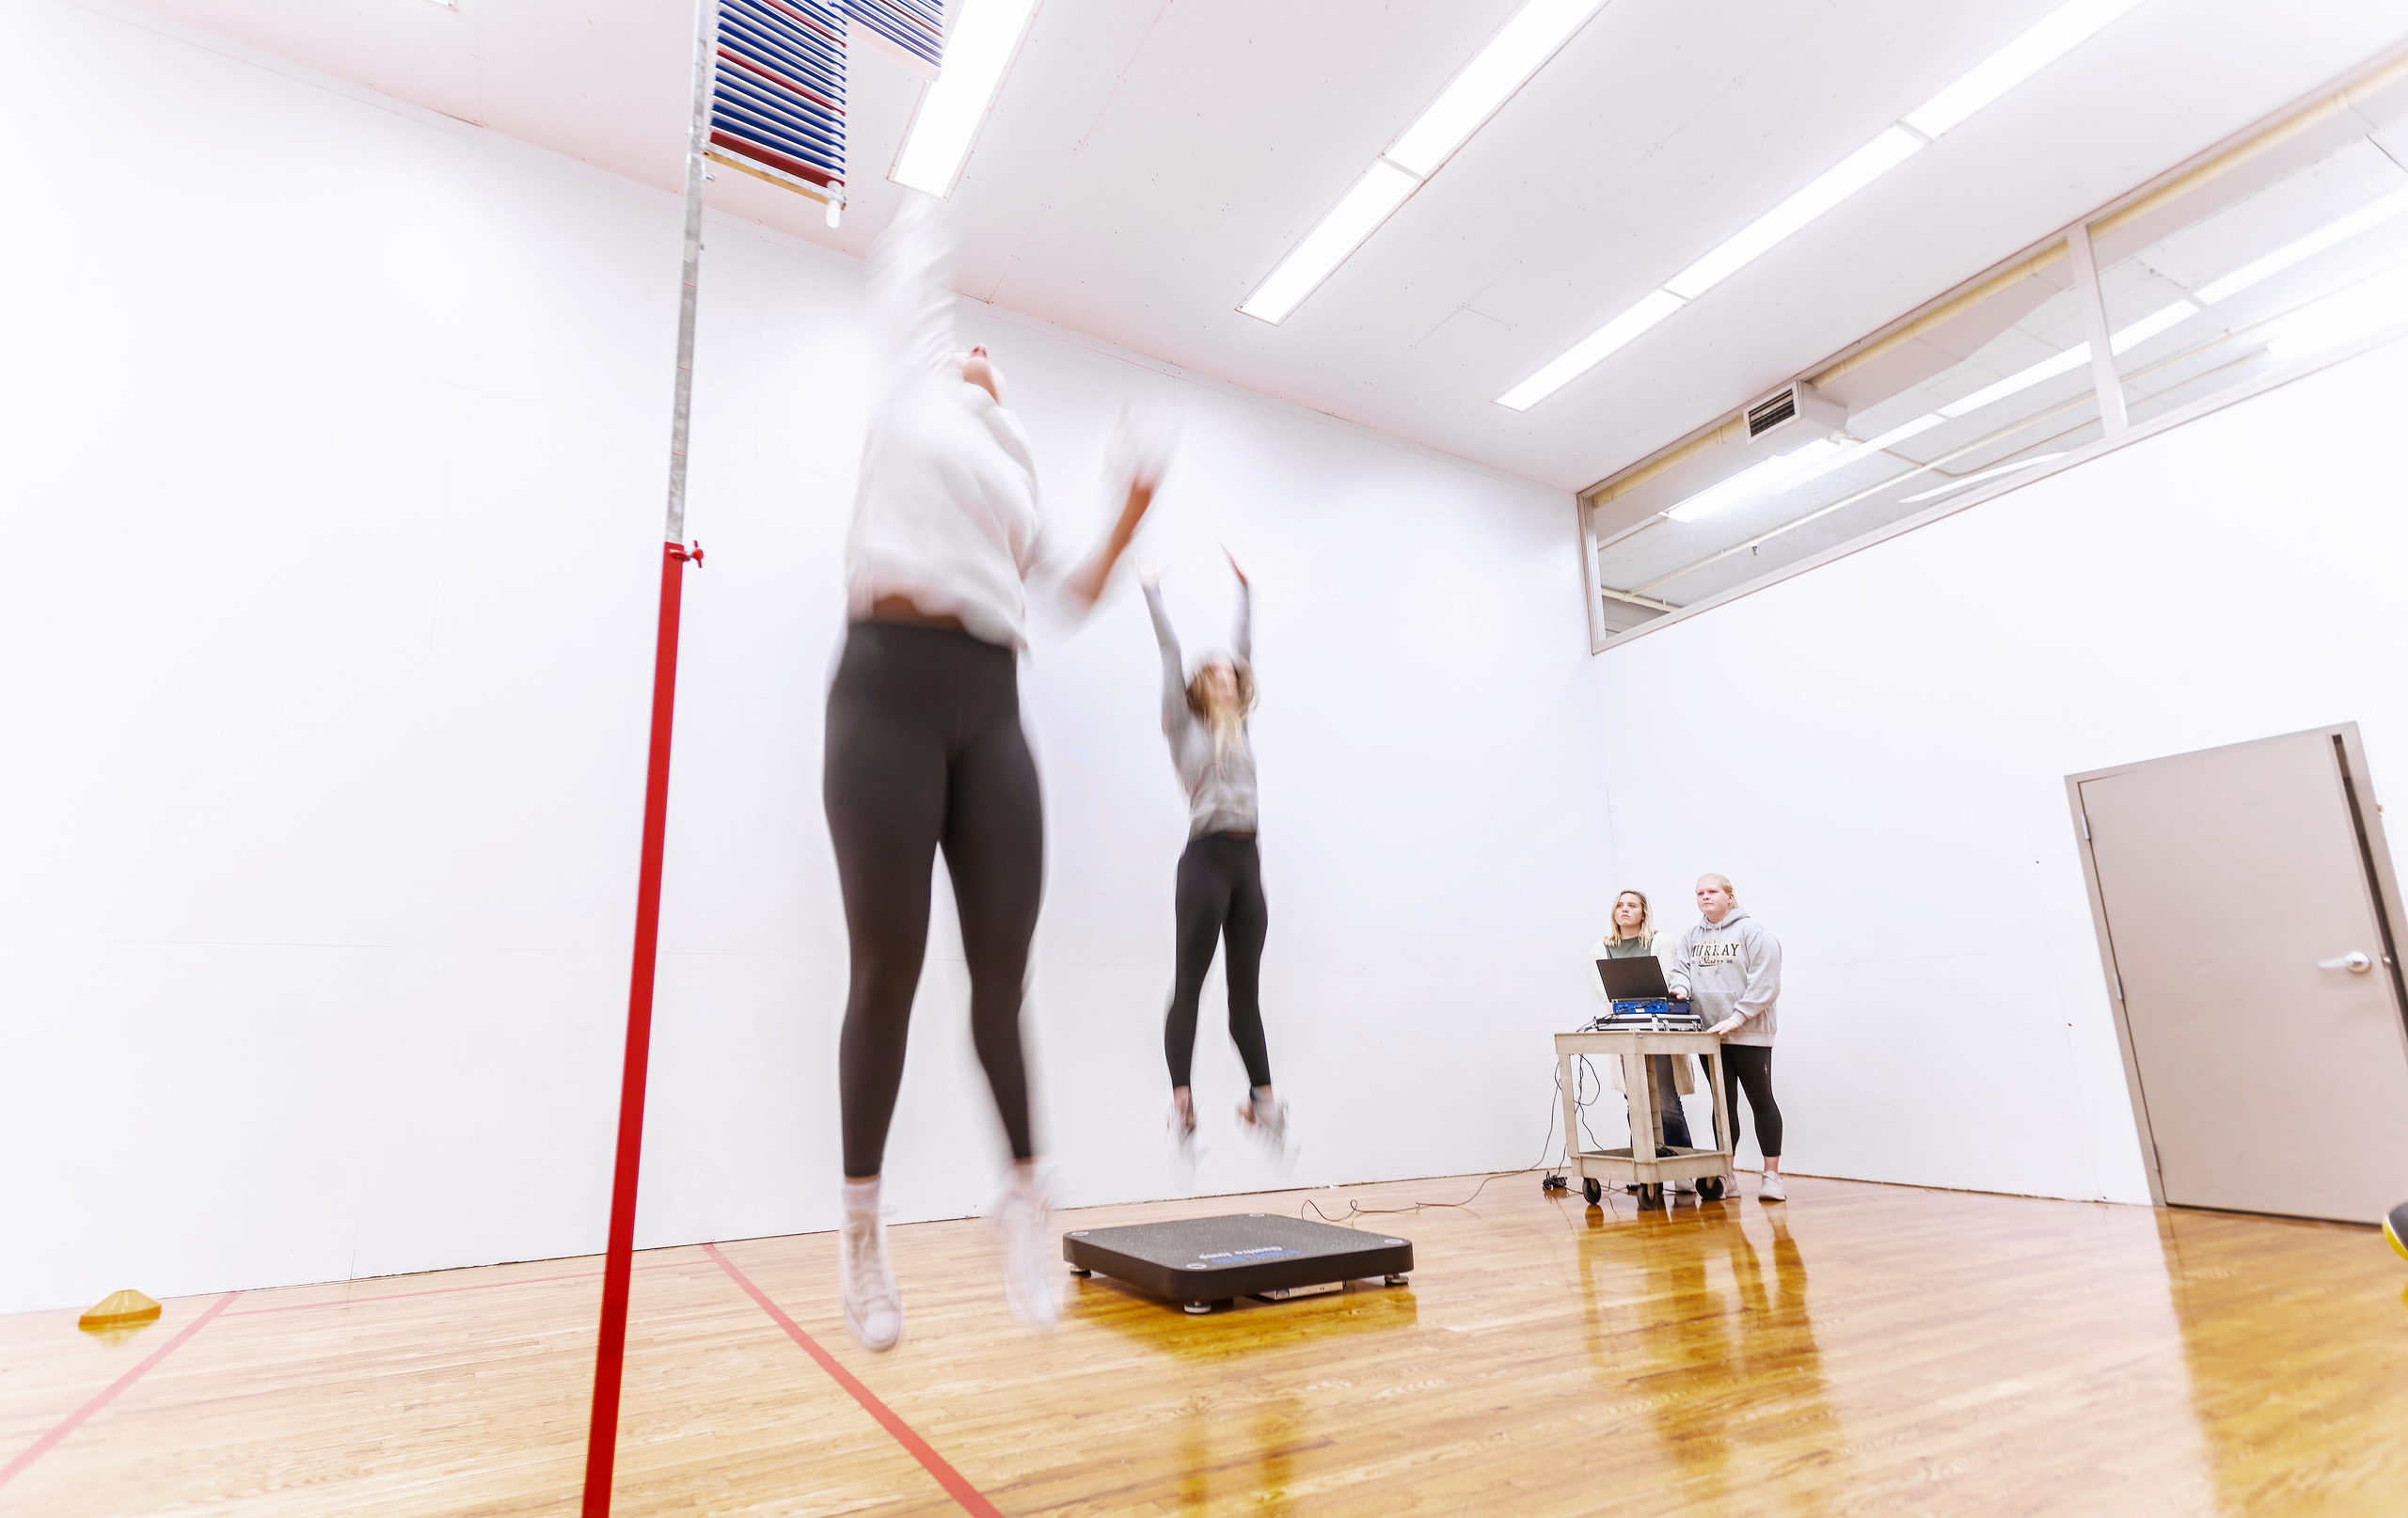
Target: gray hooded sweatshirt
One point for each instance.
(1734, 970)
(1219, 785)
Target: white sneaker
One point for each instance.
(1770, 1189)
(1186, 1151)
(873, 1306)
(1268, 1122)
(1680, 1188)
(1024, 1223)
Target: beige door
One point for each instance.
(2270, 1066)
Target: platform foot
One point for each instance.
(1197, 1310)
(1395, 1280)
(1081, 1270)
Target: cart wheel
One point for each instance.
(1651, 1197)
(1198, 1309)
(1594, 1193)
(1709, 1188)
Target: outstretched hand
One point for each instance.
(1086, 582)
(1725, 1027)
(1233, 565)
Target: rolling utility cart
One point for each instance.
(1643, 1165)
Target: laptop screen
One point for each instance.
(1639, 978)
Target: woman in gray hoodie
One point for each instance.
(1734, 970)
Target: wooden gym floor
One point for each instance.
(1863, 1349)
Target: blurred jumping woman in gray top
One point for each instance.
(1220, 876)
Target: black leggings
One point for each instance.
(1220, 899)
(925, 749)
(1751, 1066)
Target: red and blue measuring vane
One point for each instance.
(768, 98)
(777, 100)
(778, 103)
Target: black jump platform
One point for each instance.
(1198, 1262)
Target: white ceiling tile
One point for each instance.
(1148, 161)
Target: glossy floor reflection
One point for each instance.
(1863, 1349)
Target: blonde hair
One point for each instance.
(1722, 880)
(1226, 723)
(1646, 930)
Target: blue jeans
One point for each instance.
(1676, 1122)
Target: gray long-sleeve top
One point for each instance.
(1220, 787)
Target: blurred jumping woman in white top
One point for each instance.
(1220, 876)
(925, 748)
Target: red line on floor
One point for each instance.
(437, 1291)
(950, 1479)
(76, 1419)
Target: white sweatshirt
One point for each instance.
(946, 509)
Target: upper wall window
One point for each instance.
(2285, 251)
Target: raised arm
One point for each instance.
(912, 289)
(1243, 639)
(1086, 583)
(1174, 684)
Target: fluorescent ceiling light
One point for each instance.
(1955, 485)
(980, 42)
(1515, 54)
(1849, 452)
(2306, 247)
(1327, 247)
(1488, 80)
(1590, 349)
(1853, 173)
(2363, 309)
(1752, 481)
(2152, 325)
(2072, 359)
(2022, 379)
(1900, 434)
(2059, 33)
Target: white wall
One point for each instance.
(1875, 750)
(335, 434)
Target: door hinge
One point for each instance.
(2085, 817)
(2119, 984)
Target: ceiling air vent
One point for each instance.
(1772, 411)
(1792, 412)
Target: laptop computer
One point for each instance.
(1640, 998)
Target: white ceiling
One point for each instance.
(1148, 161)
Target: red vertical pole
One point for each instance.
(601, 1444)
(618, 1260)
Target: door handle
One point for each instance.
(2355, 962)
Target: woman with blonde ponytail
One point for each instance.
(1220, 876)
